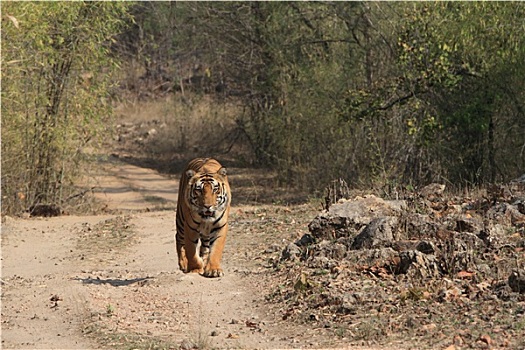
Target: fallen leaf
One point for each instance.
(483, 285)
(251, 324)
(429, 327)
(301, 284)
(451, 294)
(485, 338)
(14, 20)
(458, 340)
(465, 274)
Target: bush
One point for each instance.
(56, 74)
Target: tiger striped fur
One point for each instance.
(203, 207)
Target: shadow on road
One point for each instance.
(114, 282)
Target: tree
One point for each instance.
(375, 93)
(462, 61)
(56, 77)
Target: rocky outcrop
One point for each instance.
(428, 237)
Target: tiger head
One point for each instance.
(208, 194)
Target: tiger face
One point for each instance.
(208, 195)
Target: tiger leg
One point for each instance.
(191, 240)
(205, 251)
(213, 265)
(181, 253)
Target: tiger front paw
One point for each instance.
(195, 266)
(212, 273)
(183, 265)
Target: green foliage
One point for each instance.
(56, 79)
(377, 93)
(461, 59)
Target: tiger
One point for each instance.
(203, 208)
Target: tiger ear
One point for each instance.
(190, 173)
(222, 171)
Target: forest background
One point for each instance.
(386, 95)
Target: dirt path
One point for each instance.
(77, 282)
(111, 281)
(58, 276)
(125, 187)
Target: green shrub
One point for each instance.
(56, 77)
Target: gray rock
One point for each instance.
(305, 240)
(425, 247)
(363, 210)
(468, 224)
(291, 252)
(372, 257)
(417, 264)
(420, 225)
(349, 217)
(378, 233)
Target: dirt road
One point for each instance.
(111, 281)
(70, 281)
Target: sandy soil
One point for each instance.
(111, 280)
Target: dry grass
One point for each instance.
(166, 133)
(99, 242)
(113, 340)
(178, 124)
